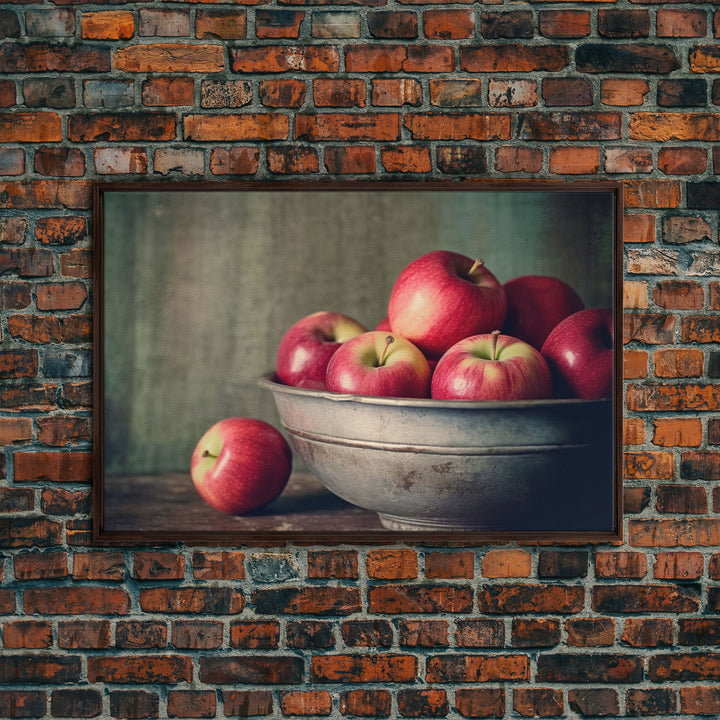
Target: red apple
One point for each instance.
(306, 348)
(378, 363)
(579, 351)
(491, 366)
(240, 464)
(384, 324)
(441, 298)
(536, 304)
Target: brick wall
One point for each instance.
(361, 89)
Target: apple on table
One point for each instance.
(442, 297)
(240, 464)
(307, 346)
(579, 352)
(536, 304)
(380, 364)
(491, 366)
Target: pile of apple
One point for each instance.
(454, 332)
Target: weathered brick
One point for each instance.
(700, 700)
(169, 57)
(590, 632)
(479, 633)
(430, 702)
(30, 634)
(419, 599)
(514, 24)
(678, 565)
(366, 703)
(627, 564)
(682, 160)
(191, 703)
(39, 669)
(12, 161)
(76, 600)
(209, 600)
(406, 158)
(306, 702)
(395, 92)
(456, 93)
(234, 161)
(650, 328)
(352, 159)
(254, 635)
(196, 634)
(305, 634)
(229, 128)
(282, 58)
(589, 668)
(686, 532)
(397, 24)
(282, 93)
(163, 22)
(513, 57)
(446, 565)
(460, 668)
(108, 25)
(53, 57)
(648, 464)
(506, 563)
(670, 432)
(623, 92)
(335, 24)
(512, 93)
(237, 669)
(573, 92)
(134, 704)
(530, 598)
(705, 58)
(247, 703)
(518, 159)
(594, 702)
(23, 703)
(347, 126)
(448, 24)
(480, 702)
(32, 565)
(624, 23)
(571, 125)
(628, 160)
(651, 701)
(144, 669)
(538, 702)
(108, 93)
(627, 58)
(84, 127)
(168, 91)
(644, 598)
(136, 634)
(179, 160)
(423, 633)
(367, 633)
(53, 467)
(648, 632)
(332, 92)
(664, 126)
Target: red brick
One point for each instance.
(686, 532)
(76, 601)
(575, 160)
(623, 23)
(45, 194)
(448, 24)
(282, 93)
(40, 565)
(228, 128)
(247, 702)
(648, 632)
(347, 126)
(470, 126)
(292, 159)
(682, 160)
(169, 57)
(134, 704)
(208, 600)
(446, 565)
(513, 57)
(589, 668)
(679, 295)
(53, 467)
(135, 634)
(18, 363)
(538, 702)
(518, 159)
(58, 501)
(652, 194)
(380, 668)
(430, 702)
(312, 600)
(395, 92)
(635, 499)
(30, 634)
(13, 230)
(533, 633)
(649, 464)
(635, 364)
(307, 702)
(590, 632)
(196, 634)
(480, 702)
(60, 162)
(700, 329)
(121, 127)
(684, 229)
(506, 563)
(662, 127)
(479, 633)
(60, 431)
(168, 91)
(39, 669)
(573, 92)
(366, 703)
(76, 703)
(341, 564)
(309, 634)
(456, 93)
(254, 635)
(564, 23)
(651, 328)
(351, 159)
(653, 701)
(278, 23)
(23, 703)
(108, 25)
(282, 58)
(398, 58)
(16, 500)
(218, 565)
(678, 565)
(7, 93)
(678, 363)
(145, 669)
(191, 703)
(700, 465)
(530, 598)
(61, 296)
(457, 668)
(681, 23)
(594, 702)
(158, 566)
(423, 633)
(703, 700)
(28, 262)
(234, 161)
(98, 566)
(570, 125)
(406, 158)
(628, 160)
(684, 666)
(627, 564)
(670, 432)
(31, 127)
(623, 92)
(419, 599)
(397, 24)
(335, 92)
(644, 599)
(512, 93)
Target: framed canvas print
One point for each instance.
(471, 328)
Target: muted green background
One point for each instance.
(199, 286)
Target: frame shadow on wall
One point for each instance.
(195, 284)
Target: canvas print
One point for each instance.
(349, 361)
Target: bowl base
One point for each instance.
(396, 522)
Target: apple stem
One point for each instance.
(495, 334)
(478, 262)
(389, 340)
(207, 453)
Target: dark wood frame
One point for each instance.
(102, 536)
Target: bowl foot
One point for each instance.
(396, 522)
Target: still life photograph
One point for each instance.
(337, 362)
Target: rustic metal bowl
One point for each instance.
(426, 464)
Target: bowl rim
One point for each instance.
(269, 381)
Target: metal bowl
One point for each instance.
(456, 465)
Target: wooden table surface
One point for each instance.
(170, 503)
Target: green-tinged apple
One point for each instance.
(380, 364)
(491, 366)
(441, 298)
(579, 351)
(307, 346)
(240, 464)
(536, 304)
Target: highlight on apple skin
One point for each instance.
(240, 464)
(536, 304)
(380, 364)
(307, 346)
(442, 297)
(579, 352)
(491, 366)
